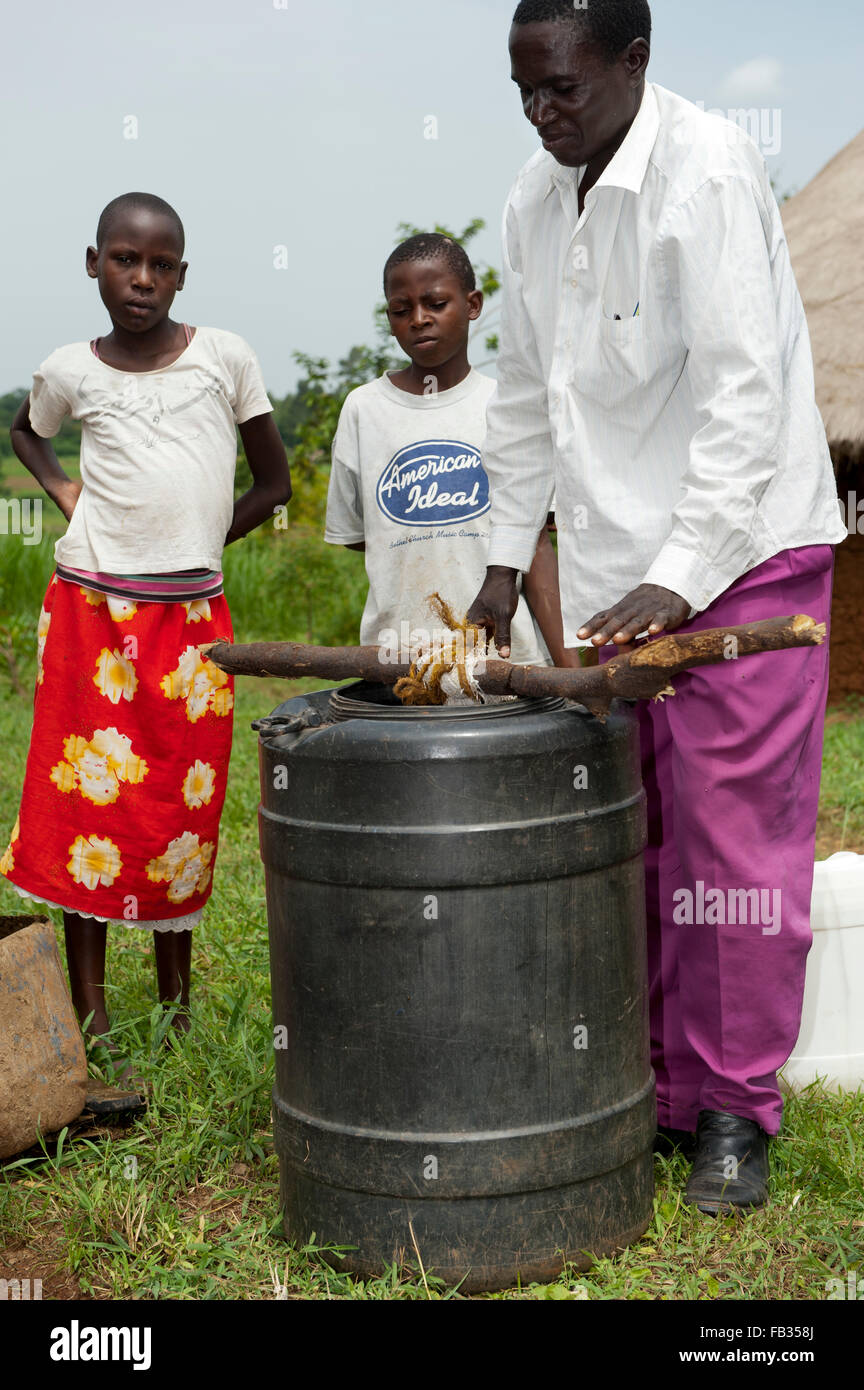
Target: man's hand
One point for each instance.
(648, 607)
(494, 606)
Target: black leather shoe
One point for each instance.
(668, 1142)
(730, 1170)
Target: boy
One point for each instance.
(407, 484)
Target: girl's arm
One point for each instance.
(540, 587)
(38, 457)
(268, 464)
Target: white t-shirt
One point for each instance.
(408, 479)
(158, 452)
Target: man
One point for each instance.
(655, 372)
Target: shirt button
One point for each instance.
(574, 283)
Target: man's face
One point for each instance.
(578, 103)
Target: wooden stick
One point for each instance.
(642, 674)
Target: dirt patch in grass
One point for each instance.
(849, 714)
(223, 1207)
(829, 842)
(214, 1212)
(42, 1257)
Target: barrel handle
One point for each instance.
(291, 723)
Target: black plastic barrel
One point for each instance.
(455, 900)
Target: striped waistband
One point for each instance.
(178, 587)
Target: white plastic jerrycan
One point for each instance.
(830, 1044)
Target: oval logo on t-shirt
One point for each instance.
(435, 481)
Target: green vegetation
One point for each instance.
(842, 814)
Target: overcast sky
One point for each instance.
(304, 124)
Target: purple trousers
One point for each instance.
(731, 766)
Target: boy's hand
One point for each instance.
(66, 495)
(494, 606)
(647, 607)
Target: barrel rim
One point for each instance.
(344, 705)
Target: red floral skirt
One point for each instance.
(128, 758)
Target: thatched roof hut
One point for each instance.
(825, 229)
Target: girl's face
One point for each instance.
(139, 267)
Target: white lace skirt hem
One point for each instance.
(165, 924)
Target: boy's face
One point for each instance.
(139, 267)
(429, 311)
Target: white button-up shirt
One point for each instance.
(655, 370)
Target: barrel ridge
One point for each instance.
(547, 848)
(488, 1163)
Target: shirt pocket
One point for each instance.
(614, 367)
(629, 330)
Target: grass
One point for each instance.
(184, 1205)
(841, 821)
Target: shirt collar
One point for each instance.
(629, 164)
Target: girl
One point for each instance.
(126, 772)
